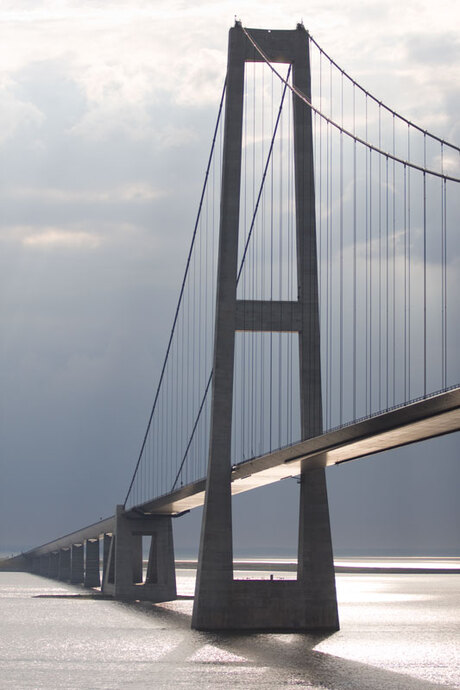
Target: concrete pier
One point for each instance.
(64, 565)
(45, 565)
(136, 551)
(77, 564)
(54, 564)
(125, 564)
(92, 575)
(106, 545)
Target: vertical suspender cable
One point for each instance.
(424, 281)
(394, 267)
(444, 283)
(181, 292)
(341, 264)
(380, 268)
(366, 331)
(408, 268)
(270, 416)
(405, 285)
(387, 285)
(370, 281)
(341, 278)
(354, 260)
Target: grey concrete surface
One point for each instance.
(64, 564)
(92, 574)
(77, 564)
(160, 582)
(220, 602)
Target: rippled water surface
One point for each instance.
(397, 631)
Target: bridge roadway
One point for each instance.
(424, 419)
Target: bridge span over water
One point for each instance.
(419, 421)
(319, 332)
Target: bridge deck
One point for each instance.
(418, 421)
(421, 420)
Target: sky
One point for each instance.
(106, 117)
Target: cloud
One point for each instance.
(118, 236)
(56, 238)
(135, 192)
(105, 121)
(30, 236)
(434, 50)
(16, 114)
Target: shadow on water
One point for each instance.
(291, 657)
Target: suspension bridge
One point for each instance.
(316, 323)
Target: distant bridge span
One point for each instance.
(418, 421)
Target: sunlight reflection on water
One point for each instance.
(397, 631)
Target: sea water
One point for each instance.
(397, 631)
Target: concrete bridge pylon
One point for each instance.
(309, 602)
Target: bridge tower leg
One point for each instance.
(309, 603)
(123, 571)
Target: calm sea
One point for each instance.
(398, 631)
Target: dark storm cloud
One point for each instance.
(89, 268)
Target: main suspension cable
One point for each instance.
(379, 102)
(340, 128)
